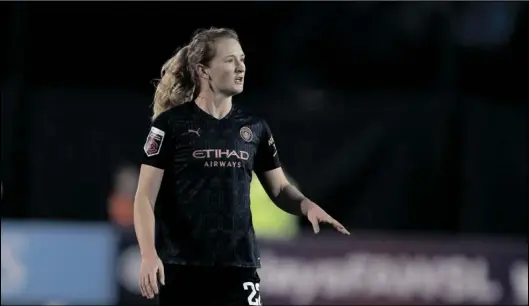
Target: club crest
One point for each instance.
(246, 134)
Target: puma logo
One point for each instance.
(190, 131)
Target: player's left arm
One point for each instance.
(283, 194)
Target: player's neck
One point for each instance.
(216, 105)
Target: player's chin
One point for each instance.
(237, 89)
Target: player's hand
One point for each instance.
(150, 272)
(316, 215)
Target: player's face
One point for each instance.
(227, 68)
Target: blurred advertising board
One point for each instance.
(58, 263)
(392, 271)
(371, 270)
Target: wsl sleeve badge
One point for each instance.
(153, 145)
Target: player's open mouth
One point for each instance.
(239, 80)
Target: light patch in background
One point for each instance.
(269, 221)
(129, 264)
(14, 274)
(518, 278)
(486, 24)
(44, 262)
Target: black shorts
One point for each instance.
(209, 286)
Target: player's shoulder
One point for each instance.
(249, 117)
(176, 114)
(180, 111)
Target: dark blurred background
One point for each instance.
(398, 118)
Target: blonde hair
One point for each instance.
(179, 81)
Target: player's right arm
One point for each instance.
(146, 194)
(156, 158)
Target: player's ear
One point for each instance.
(203, 72)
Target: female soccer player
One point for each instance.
(194, 182)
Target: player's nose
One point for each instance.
(241, 67)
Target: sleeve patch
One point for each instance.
(272, 144)
(154, 142)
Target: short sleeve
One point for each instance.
(267, 157)
(157, 147)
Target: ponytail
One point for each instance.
(176, 84)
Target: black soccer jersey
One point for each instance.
(202, 211)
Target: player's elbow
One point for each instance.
(282, 187)
(142, 201)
